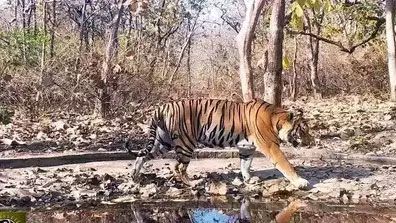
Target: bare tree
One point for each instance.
(191, 28)
(23, 31)
(273, 76)
(314, 45)
(43, 50)
(53, 24)
(188, 62)
(103, 105)
(83, 31)
(293, 82)
(244, 43)
(34, 9)
(390, 39)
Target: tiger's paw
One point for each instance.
(301, 183)
(185, 179)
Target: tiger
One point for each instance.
(181, 125)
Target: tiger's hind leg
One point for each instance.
(162, 144)
(246, 151)
(156, 152)
(183, 159)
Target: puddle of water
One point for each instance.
(218, 212)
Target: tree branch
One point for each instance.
(4, 40)
(351, 49)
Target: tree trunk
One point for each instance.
(244, 43)
(29, 17)
(34, 17)
(82, 34)
(390, 40)
(103, 104)
(293, 82)
(43, 50)
(23, 32)
(52, 53)
(83, 31)
(313, 64)
(189, 63)
(16, 14)
(189, 68)
(181, 55)
(273, 76)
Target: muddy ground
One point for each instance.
(362, 127)
(102, 182)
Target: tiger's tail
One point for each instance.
(155, 121)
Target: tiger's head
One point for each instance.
(293, 128)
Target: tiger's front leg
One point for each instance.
(279, 160)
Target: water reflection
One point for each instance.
(204, 215)
(219, 212)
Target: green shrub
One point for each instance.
(5, 115)
(19, 42)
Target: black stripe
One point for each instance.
(183, 126)
(206, 105)
(217, 104)
(222, 117)
(198, 123)
(183, 151)
(210, 117)
(221, 141)
(193, 124)
(211, 135)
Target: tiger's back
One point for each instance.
(208, 121)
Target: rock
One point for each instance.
(58, 125)
(41, 136)
(388, 117)
(88, 193)
(148, 190)
(219, 188)
(196, 183)
(355, 197)
(9, 142)
(254, 180)
(95, 180)
(347, 132)
(312, 197)
(124, 199)
(273, 188)
(237, 182)
(126, 186)
(174, 192)
(76, 195)
(344, 199)
(331, 180)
